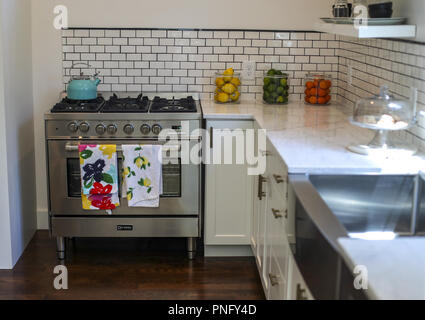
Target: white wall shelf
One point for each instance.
(395, 31)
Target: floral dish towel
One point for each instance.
(99, 177)
(142, 175)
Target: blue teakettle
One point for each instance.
(82, 87)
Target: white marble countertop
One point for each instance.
(395, 268)
(313, 139)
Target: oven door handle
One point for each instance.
(165, 148)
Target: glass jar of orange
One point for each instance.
(318, 88)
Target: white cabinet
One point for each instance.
(273, 229)
(228, 189)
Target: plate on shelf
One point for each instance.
(370, 21)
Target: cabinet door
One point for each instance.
(277, 279)
(228, 191)
(261, 253)
(297, 288)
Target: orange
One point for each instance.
(322, 93)
(307, 99)
(329, 83)
(313, 92)
(309, 84)
(328, 98)
(316, 83)
(321, 100)
(313, 100)
(307, 92)
(323, 84)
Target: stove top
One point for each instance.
(127, 104)
(173, 105)
(132, 102)
(68, 105)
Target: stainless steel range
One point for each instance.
(124, 118)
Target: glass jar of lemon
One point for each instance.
(227, 86)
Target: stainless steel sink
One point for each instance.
(369, 206)
(365, 206)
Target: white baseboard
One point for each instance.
(42, 219)
(228, 251)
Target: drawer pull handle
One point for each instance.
(276, 213)
(300, 293)
(211, 137)
(273, 280)
(261, 193)
(265, 153)
(278, 178)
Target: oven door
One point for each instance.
(180, 183)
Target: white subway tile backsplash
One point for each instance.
(112, 33)
(183, 60)
(236, 34)
(128, 33)
(159, 33)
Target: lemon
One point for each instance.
(228, 74)
(229, 88)
(235, 96)
(219, 82)
(138, 162)
(236, 82)
(222, 97)
(147, 182)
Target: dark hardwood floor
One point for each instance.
(128, 269)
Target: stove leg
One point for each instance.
(60, 247)
(191, 248)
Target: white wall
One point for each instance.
(18, 136)
(5, 242)
(47, 65)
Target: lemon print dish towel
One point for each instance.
(142, 175)
(99, 177)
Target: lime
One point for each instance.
(280, 99)
(280, 90)
(267, 81)
(271, 88)
(283, 82)
(271, 72)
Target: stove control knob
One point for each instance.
(84, 127)
(145, 129)
(156, 129)
(100, 129)
(112, 129)
(73, 126)
(128, 129)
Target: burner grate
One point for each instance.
(173, 105)
(115, 104)
(68, 105)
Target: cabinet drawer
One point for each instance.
(278, 281)
(277, 170)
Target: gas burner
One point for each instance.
(68, 105)
(173, 105)
(128, 105)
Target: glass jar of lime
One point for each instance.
(227, 86)
(275, 87)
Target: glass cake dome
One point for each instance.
(383, 113)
